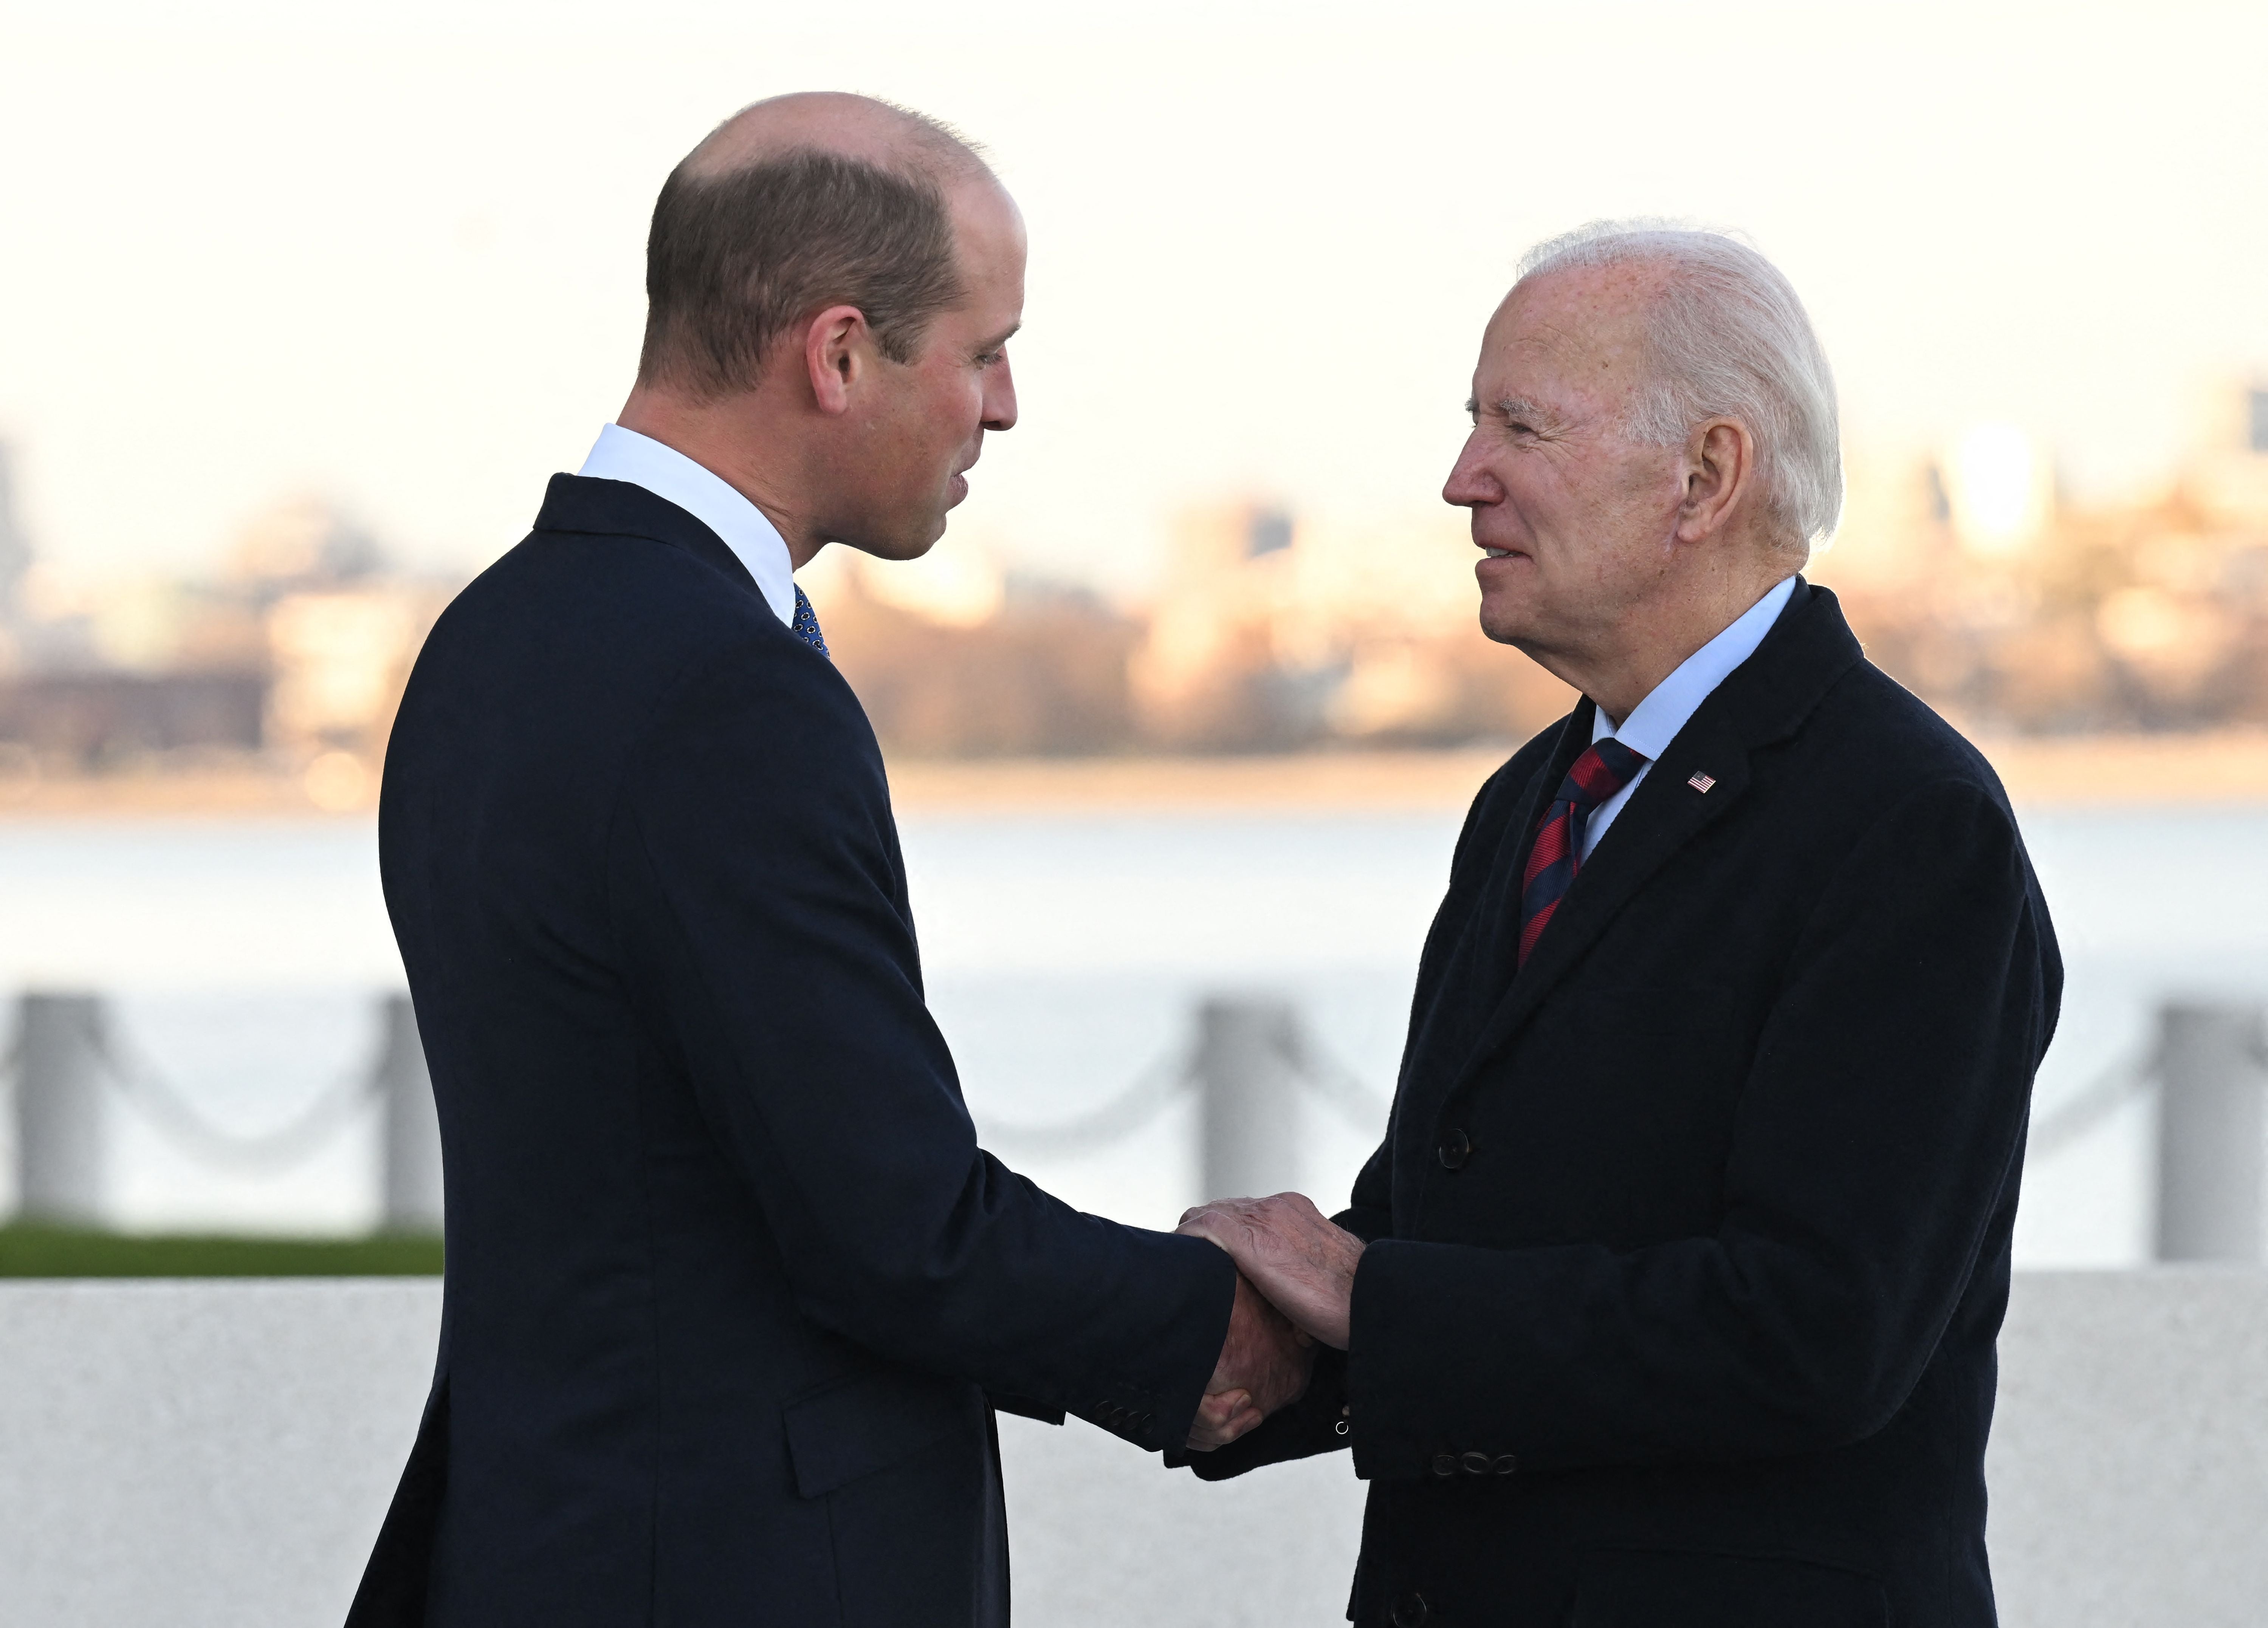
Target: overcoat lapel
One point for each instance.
(1762, 701)
(1493, 935)
(1663, 814)
(1481, 947)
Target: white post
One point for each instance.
(1249, 1106)
(413, 1131)
(2210, 1127)
(58, 1123)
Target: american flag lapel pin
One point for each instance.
(1702, 783)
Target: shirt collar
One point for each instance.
(625, 455)
(1654, 721)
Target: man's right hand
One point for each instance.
(1265, 1364)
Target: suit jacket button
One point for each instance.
(1444, 1464)
(1506, 1465)
(1455, 1148)
(1411, 1611)
(1476, 1463)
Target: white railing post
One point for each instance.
(413, 1131)
(2210, 1129)
(59, 1119)
(1248, 1082)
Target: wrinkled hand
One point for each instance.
(1291, 1253)
(1265, 1364)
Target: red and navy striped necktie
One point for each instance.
(1605, 769)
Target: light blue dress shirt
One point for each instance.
(1654, 721)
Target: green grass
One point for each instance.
(29, 1251)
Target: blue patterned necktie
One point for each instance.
(806, 626)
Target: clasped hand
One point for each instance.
(1294, 1288)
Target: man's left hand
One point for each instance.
(1292, 1254)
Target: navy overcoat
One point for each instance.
(1691, 1236)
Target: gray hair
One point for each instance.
(1728, 338)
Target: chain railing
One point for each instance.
(1165, 1078)
(168, 1111)
(67, 1054)
(2077, 1112)
(1249, 1062)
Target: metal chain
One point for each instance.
(2081, 1111)
(1334, 1081)
(1123, 1115)
(1166, 1078)
(169, 1112)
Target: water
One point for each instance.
(1064, 952)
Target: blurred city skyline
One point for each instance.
(393, 262)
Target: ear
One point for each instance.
(837, 349)
(1720, 466)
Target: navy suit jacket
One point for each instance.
(1690, 1237)
(729, 1280)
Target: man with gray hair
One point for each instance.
(1670, 1299)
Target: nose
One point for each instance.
(1470, 485)
(1000, 396)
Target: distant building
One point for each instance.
(88, 721)
(302, 543)
(298, 653)
(967, 662)
(15, 547)
(338, 661)
(1269, 634)
(2151, 614)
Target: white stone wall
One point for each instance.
(2128, 1463)
(217, 1455)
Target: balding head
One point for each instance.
(851, 127)
(790, 206)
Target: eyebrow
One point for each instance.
(1534, 412)
(1014, 328)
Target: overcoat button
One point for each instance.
(1506, 1465)
(1456, 1148)
(1411, 1611)
(1477, 1463)
(1444, 1464)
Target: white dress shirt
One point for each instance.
(1654, 721)
(621, 454)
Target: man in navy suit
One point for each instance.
(1669, 1299)
(731, 1290)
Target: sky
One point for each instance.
(392, 255)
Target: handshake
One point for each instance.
(1294, 1288)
